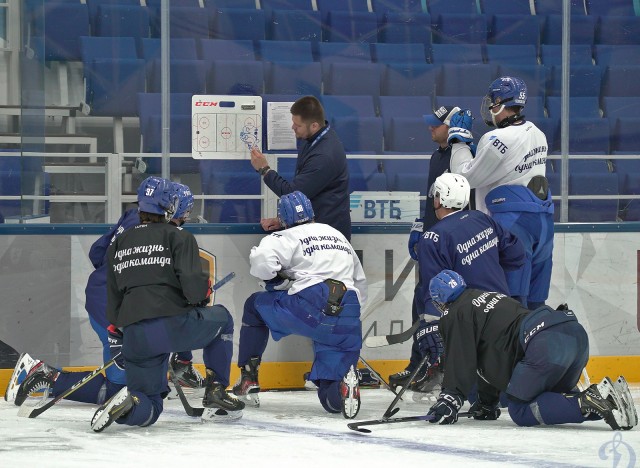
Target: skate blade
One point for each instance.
(631, 415)
(612, 390)
(35, 401)
(428, 398)
(219, 415)
(191, 393)
(251, 399)
(20, 371)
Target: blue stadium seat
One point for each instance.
(184, 21)
(583, 81)
(357, 78)
(238, 23)
(180, 135)
(551, 129)
(589, 136)
(183, 49)
(397, 6)
(248, 4)
(515, 29)
(327, 6)
(625, 138)
(410, 80)
(579, 54)
(347, 26)
(628, 171)
(536, 77)
(187, 76)
(293, 78)
(618, 30)
(554, 7)
(607, 55)
(456, 28)
(593, 184)
(359, 134)
(54, 28)
(328, 52)
(621, 81)
(404, 106)
(455, 79)
(463, 7)
(407, 175)
(407, 135)
(366, 175)
(301, 5)
(622, 107)
(225, 75)
(535, 108)
(113, 75)
(456, 53)
(522, 54)
(122, 20)
(94, 6)
(580, 106)
(400, 28)
(348, 106)
(225, 49)
(285, 51)
(294, 25)
(582, 30)
(398, 53)
(610, 8)
(500, 7)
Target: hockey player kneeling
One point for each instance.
(314, 287)
(157, 294)
(535, 357)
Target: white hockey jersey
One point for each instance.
(504, 156)
(309, 254)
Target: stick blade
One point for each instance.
(376, 341)
(354, 427)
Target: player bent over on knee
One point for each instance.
(156, 294)
(315, 286)
(535, 357)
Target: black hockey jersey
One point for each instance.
(481, 334)
(154, 271)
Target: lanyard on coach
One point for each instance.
(323, 133)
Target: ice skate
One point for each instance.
(350, 393)
(399, 379)
(189, 378)
(118, 406)
(40, 378)
(220, 415)
(216, 396)
(428, 384)
(607, 401)
(23, 367)
(248, 385)
(308, 384)
(627, 401)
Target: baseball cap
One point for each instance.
(441, 116)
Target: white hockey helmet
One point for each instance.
(453, 189)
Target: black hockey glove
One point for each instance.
(485, 411)
(430, 341)
(114, 337)
(277, 283)
(445, 410)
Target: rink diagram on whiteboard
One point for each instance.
(226, 126)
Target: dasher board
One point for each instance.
(225, 127)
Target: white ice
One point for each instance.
(291, 429)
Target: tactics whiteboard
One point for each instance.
(225, 127)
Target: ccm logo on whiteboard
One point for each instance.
(206, 104)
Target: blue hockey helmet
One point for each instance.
(294, 208)
(185, 201)
(157, 196)
(506, 91)
(446, 287)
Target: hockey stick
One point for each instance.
(190, 410)
(386, 340)
(384, 383)
(391, 410)
(34, 412)
(357, 426)
(223, 281)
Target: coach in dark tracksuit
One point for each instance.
(321, 168)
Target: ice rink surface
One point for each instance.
(291, 429)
